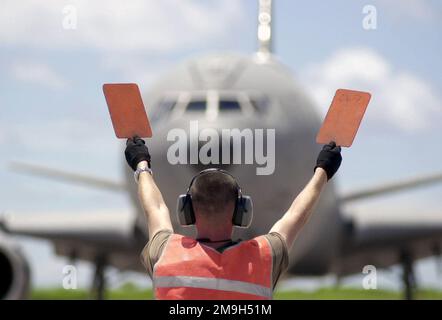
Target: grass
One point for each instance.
(131, 292)
(355, 294)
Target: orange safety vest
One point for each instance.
(190, 270)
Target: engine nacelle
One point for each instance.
(14, 270)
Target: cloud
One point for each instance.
(37, 73)
(399, 99)
(135, 68)
(154, 26)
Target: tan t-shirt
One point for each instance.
(154, 248)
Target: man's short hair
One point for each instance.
(213, 193)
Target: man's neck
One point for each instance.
(214, 244)
(214, 241)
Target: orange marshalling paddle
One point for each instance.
(127, 110)
(344, 117)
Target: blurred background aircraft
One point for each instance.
(45, 120)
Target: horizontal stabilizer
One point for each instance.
(46, 172)
(392, 187)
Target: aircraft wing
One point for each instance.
(84, 236)
(391, 187)
(381, 237)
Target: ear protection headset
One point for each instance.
(242, 215)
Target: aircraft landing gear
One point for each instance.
(99, 280)
(408, 277)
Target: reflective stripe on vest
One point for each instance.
(188, 269)
(214, 284)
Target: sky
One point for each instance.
(52, 111)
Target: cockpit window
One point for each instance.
(196, 106)
(229, 105)
(167, 105)
(260, 105)
(164, 108)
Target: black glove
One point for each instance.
(136, 151)
(329, 159)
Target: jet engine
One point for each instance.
(14, 270)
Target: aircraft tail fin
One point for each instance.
(265, 44)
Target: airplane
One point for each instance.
(227, 91)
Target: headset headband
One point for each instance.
(213, 170)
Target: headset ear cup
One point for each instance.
(180, 209)
(190, 214)
(243, 215)
(184, 210)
